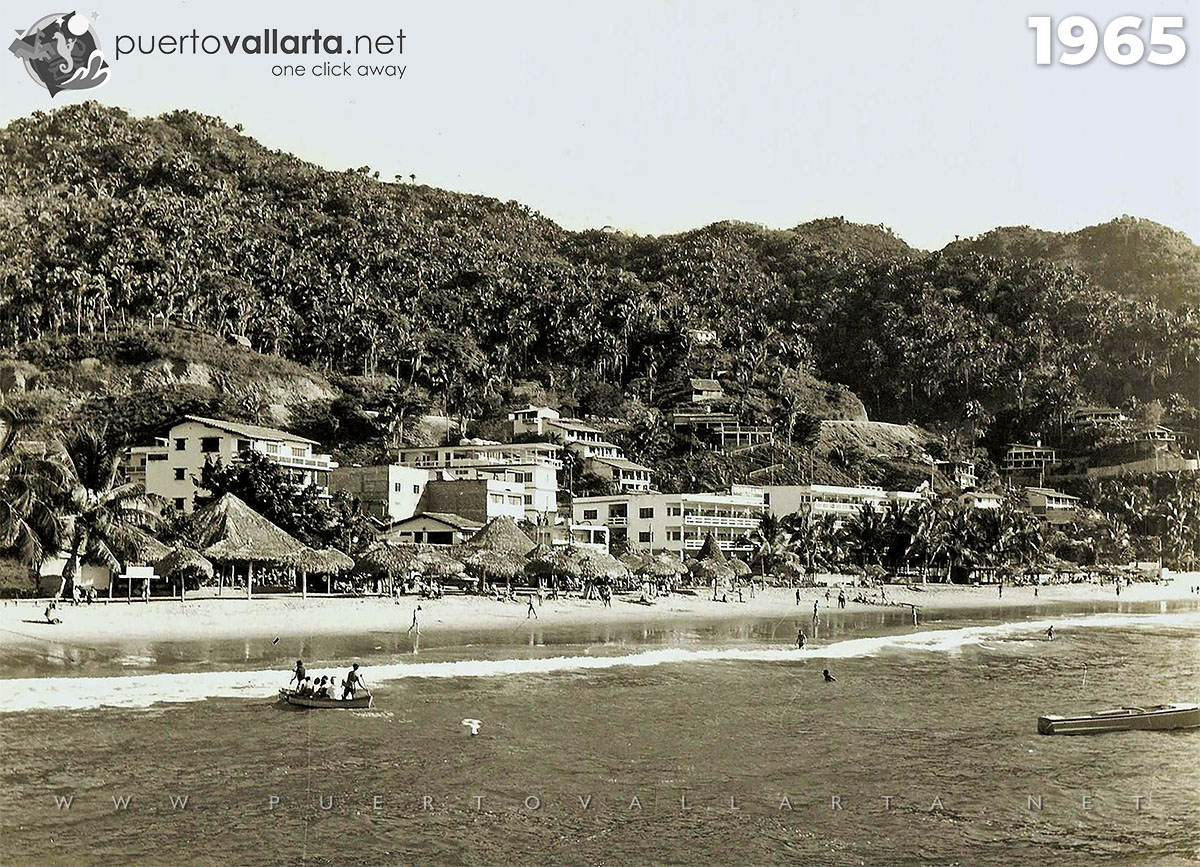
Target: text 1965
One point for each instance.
(1126, 39)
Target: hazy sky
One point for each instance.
(662, 115)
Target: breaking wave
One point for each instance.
(143, 690)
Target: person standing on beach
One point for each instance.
(1000, 588)
(1050, 633)
(841, 597)
(531, 612)
(815, 602)
(415, 625)
(797, 595)
(801, 638)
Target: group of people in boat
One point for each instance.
(326, 686)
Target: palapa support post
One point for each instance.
(303, 583)
(249, 579)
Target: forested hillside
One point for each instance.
(110, 222)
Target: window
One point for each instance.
(644, 537)
(416, 489)
(618, 510)
(528, 500)
(589, 514)
(243, 445)
(398, 487)
(179, 503)
(674, 511)
(208, 445)
(297, 452)
(646, 513)
(155, 458)
(272, 448)
(179, 473)
(180, 444)
(674, 535)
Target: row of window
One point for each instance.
(212, 445)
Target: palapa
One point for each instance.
(140, 548)
(710, 550)
(739, 566)
(503, 535)
(665, 565)
(323, 561)
(227, 530)
(706, 570)
(391, 559)
(438, 564)
(495, 565)
(182, 560)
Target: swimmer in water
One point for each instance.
(801, 638)
(829, 678)
(1050, 634)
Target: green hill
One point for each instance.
(404, 295)
(1134, 257)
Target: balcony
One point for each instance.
(748, 522)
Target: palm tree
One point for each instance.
(101, 511)
(29, 527)
(865, 533)
(768, 539)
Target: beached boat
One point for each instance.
(1156, 717)
(360, 701)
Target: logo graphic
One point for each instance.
(62, 52)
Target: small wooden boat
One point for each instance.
(359, 702)
(1120, 719)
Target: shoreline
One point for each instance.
(196, 619)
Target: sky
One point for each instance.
(657, 116)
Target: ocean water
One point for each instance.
(687, 744)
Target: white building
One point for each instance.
(1097, 415)
(1043, 501)
(1028, 459)
(677, 523)
(388, 493)
(624, 474)
(533, 465)
(543, 421)
(172, 468)
(844, 502)
(980, 500)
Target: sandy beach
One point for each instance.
(234, 616)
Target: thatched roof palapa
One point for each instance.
(740, 567)
(182, 560)
(438, 564)
(140, 548)
(502, 535)
(393, 559)
(323, 561)
(665, 565)
(495, 565)
(228, 530)
(710, 550)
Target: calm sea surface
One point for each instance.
(694, 744)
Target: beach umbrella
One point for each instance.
(502, 534)
(182, 560)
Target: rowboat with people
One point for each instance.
(1160, 717)
(360, 700)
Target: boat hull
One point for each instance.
(1160, 718)
(359, 702)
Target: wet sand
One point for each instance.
(283, 616)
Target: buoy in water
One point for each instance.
(473, 724)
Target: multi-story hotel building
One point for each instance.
(1028, 459)
(172, 467)
(677, 523)
(534, 465)
(844, 502)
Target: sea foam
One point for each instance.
(143, 690)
